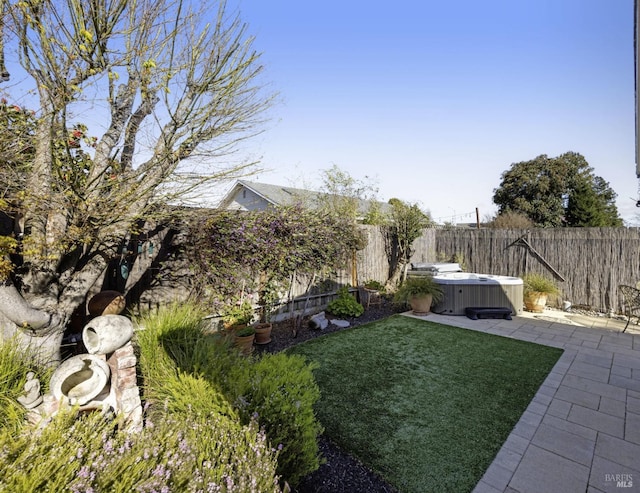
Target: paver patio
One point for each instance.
(581, 431)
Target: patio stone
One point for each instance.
(632, 429)
(565, 444)
(588, 385)
(596, 420)
(605, 473)
(483, 487)
(621, 371)
(541, 470)
(593, 372)
(613, 407)
(516, 443)
(633, 404)
(508, 459)
(625, 383)
(626, 361)
(600, 358)
(590, 344)
(574, 428)
(559, 408)
(576, 396)
(497, 476)
(618, 451)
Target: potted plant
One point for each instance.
(237, 315)
(269, 296)
(243, 339)
(374, 290)
(537, 288)
(373, 285)
(420, 292)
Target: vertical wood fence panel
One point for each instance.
(592, 261)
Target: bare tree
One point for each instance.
(183, 82)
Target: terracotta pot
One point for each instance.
(244, 343)
(106, 303)
(105, 334)
(80, 379)
(263, 333)
(535, 302)
(421, 305)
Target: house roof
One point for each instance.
(279, 195)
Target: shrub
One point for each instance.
(188, 444)
(187, 370)
(280, 391)
(345, 305)
(510, 220)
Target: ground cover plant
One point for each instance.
(425, 405)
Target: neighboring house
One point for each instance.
(252, 196)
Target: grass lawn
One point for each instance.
(425, 405)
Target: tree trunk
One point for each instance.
(396, 276)
(34, 330)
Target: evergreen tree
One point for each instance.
(554, 192)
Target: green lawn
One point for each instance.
(425, 405)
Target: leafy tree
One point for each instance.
(405, 224)
(554, 192)
(185, 82)
(347, 196)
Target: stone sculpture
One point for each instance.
(31, 397)
(104, 378)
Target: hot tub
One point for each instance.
(466, 289)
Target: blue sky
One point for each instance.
(433, 100)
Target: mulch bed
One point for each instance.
(340, 472)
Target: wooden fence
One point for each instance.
(588, 263)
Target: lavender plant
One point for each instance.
(192, 453)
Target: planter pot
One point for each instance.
(80, 379)
(263, 333)
(421, 305)
(244, 343)
(106, 303)
(106, 333)
(535, 302)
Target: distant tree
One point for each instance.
(347, 196)
(543, 189)
(509, 220)
(405, 224)
(592, 205)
